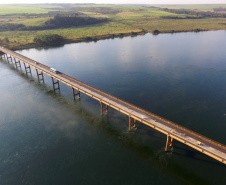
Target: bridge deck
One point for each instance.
(209, 147)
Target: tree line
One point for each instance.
(59, 21)
(220, 9)
(49, 40)
(193, 14)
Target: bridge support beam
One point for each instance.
(132, 123)
(103, 109)
(17, 63)
(40, 74)
(54, 83)
(169, 143)
(1, 54)
(75, 94)
(27, 68)
(8, 58)
(4, 55)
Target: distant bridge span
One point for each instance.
(171, 130)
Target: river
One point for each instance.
(47, 138)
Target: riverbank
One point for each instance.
(15, 46)
(123, 21)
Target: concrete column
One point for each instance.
(40, 74)
(73, 91)
(171, 143)
(57, 82)
(106, 108)
(101, 106)
(29, 67)
(130, 122)
(167, 143)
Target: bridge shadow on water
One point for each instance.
(131, 140)
(187, 152)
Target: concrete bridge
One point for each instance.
(171, 130)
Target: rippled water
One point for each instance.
(47, 138)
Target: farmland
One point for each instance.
(197, 7)
(22, 23)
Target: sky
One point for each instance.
(117, 1)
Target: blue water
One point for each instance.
(47, 138)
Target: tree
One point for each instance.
(156, 32)
(49, 40)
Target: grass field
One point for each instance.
(71, 33)
(33, 22)
(124, 20)
(193, 7)
(25, 21)
(25, 9)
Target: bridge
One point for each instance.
(172, 130)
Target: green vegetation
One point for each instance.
(62, 21)
(33, 22)
(194, 14)
(49, 40)
(58, 21)
(22, 25)
(26, 9)
(156, 32)
(194, 7)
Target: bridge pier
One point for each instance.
(75, 94)
(102, 109)
(1, 54)
(27, 69)
(132, 123)
(40, 74)
(169, 143)
(17, 63)
(4, 55)
(54, 83)
(8, 58)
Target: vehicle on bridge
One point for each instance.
(54, 70)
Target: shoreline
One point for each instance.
(100, 37)
(78, 40)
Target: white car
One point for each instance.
(54, 70)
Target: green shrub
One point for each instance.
(49, 40)
(156, 32)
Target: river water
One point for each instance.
(47, 138)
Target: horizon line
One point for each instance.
(123, 3)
